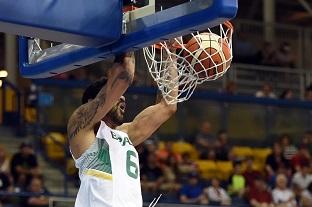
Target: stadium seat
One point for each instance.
(161, 145)
(258, 166)
(10, 97)
(225, 169)
(30, 114)
(207, 168)
(260, 154)
(184, 147)
(54, 145)
(242, 152)
(70, 167)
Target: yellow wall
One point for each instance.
(1, 116)
(10, 100)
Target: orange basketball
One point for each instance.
(209, 54)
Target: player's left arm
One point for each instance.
(151, 118)
(148, 121)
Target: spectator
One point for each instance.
(193, 191)
(231, 88)
(216, 195)
(152, 175)
(250, 174)
(237, 181)
(267, 55)
(4, 182)
(41, 200)
(306, 200)
(297, 191)
(308, 93)
(283, 196)
(307, 140)
(285, 56)
(222, 147)
(4, 161)
(287, 94)
(301, 158)
(144, 150)
(21, 184)
(186, 166)
(170, 171)
(211, 155)
(303, 177)
(204, 140)
(24, 164)
(167, 153)
(289, 150)
(5, 186)
(259, 195)
(275, 161)
(266, 92)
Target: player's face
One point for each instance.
(116, 114)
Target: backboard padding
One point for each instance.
(176, 21)
(72, 21)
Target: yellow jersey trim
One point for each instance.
(99, 174)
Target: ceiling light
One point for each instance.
(3, 73)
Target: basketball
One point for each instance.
(209, 55)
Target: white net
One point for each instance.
(198, 57)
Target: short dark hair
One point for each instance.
(25, 144)
(93, 89)
(222, 131)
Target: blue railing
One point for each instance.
(202, 95)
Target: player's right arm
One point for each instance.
(81, 124)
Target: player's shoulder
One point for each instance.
(123, 128)
(120, 132)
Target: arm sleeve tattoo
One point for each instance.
(85, 115)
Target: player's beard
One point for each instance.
(116, 115)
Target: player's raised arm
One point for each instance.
(81, 123)
(151, 118)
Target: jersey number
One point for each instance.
(132, 168)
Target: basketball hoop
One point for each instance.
(199, 57)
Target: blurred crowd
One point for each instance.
(285, 179)
(267, 91)
(269, 54)
(20, 173)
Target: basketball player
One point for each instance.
(103, 147)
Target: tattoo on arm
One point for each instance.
(85, 114)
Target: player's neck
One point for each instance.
(109, 123)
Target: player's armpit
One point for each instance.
(148, 121)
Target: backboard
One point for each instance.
(140, 28)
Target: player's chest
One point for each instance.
(120, 139)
